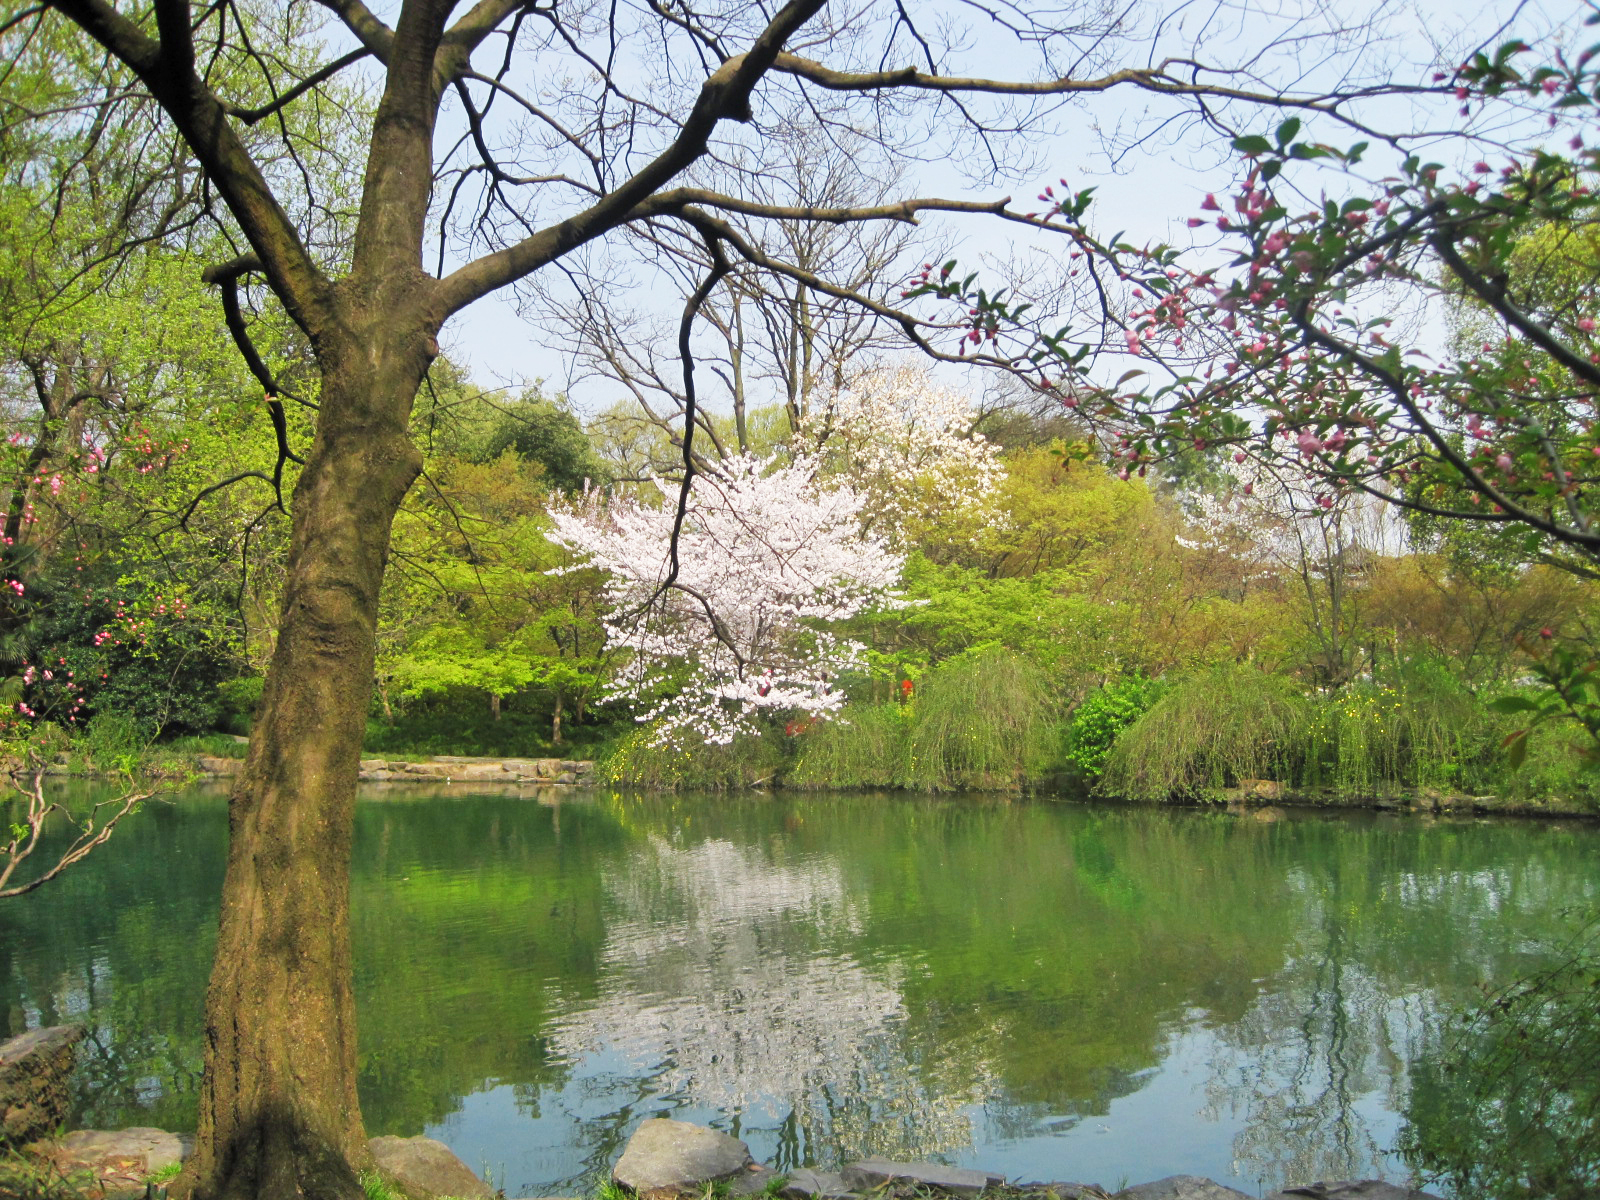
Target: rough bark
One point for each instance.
(279, 1117)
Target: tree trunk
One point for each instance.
(555, 721)
(494, 705)
(279, 1118)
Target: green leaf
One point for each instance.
(1517, 745)
(1252, 144)
(1287, 130)
(1513, 704)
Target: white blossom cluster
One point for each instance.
(1273, 523)
(767, 556)
(908, 444)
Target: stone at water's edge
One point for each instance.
(118, 1160)
(666, 1158)
(1182, 1187)
(1365, 1189)
(139, 1150)
(752, 1181)
(428, 1166)
(806, 1184)
(873, 1172)
(34, 1070)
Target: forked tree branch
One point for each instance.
(723, 96)
(24, 836)
(166, 67)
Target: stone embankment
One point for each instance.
(664, 1160)
(446, 768)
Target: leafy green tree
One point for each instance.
(545, 432)
(482, 601)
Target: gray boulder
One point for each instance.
(752, 1181)
(667, 1158)
(116, 1163)
(424, 1165)
(1182, 1187)
(874, 1172)
(806, 1184)
(34, 1070)
(1365, 1189)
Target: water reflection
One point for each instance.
(1057, 991)
(719, 985)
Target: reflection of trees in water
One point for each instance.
(1301, 1061)
(128, 1062)
(717, 983)
(1328, 1045)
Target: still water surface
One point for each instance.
(1054, 991)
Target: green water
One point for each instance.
(1054, 991)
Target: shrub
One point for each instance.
(982, 720)
(1103, 714)
(1423, 729)
(1508, 1103)
(1205, 733)
(240, 699)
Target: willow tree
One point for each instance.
(506, 140)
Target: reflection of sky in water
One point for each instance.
(1167, 1126)
(720, 1014)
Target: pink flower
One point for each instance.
(1209, 204)
(1586, 324)
(1503, 462)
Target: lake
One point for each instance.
(1056, 991)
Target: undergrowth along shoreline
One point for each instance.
(1228, 734)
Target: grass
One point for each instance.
(860, 748)
(985, 720)
(1203, 735)
(26, 1177)
(639, 761)
(1421, 730)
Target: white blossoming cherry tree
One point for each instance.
(908, 443)
(735, 623)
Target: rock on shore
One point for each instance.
(667, 1158)
(34, 1069)
(446, 768)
